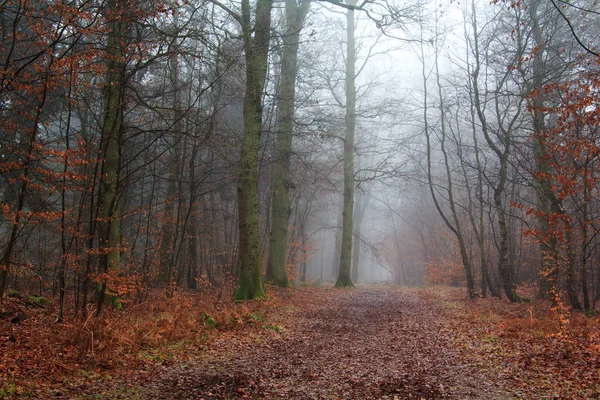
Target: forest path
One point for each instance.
(365, 343)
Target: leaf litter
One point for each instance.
(374, 342)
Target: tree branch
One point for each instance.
(228, 10)
(573, 30)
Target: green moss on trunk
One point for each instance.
(276, 265)
(109, 216)
(256, 52)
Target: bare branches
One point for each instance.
(338, 3)
(568, 21)
(228, 10)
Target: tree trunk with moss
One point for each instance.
(344, 279)
(109, 217)
(170, 216)
(256, 51)
(276, 264)
(504, 267)
(548, 245)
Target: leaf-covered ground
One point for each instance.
(368, 343)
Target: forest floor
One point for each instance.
(374, 342)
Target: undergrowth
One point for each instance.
(40, 352)
(546, 347)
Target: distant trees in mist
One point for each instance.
(203, 144)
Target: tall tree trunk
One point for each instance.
(276, 264)
(171, 209)
(478, 225)
(548, 245)
(455, 225)
(504, 268)
(502, 151)
(344, 279)
(63, 208)
(109, 216)
(256, 52)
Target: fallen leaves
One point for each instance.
(311, 343)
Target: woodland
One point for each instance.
(321, 199)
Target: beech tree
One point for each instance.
(109, 216)
(506, 116)
(295, 15)
(453, 222)
(144, 134)
(344, 278)
(37, 44)
(256, 37)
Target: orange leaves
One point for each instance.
(32, 217)
(8, 213)
(10, 166)
(571, 143)
(444, 272)
(121, 285)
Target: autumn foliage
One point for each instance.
(121, 125)
(39, 353)
(571, 143)
(403, 342)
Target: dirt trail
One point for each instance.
(367, 343)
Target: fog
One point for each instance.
(214, 143)
(389, 148)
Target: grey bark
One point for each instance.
(344, 279)
(276, 264)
